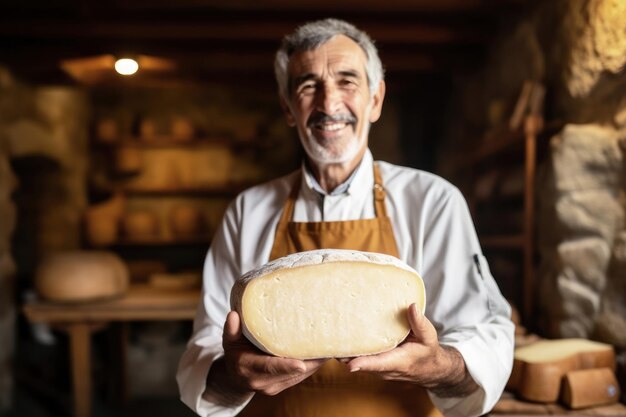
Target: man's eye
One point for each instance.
(306, 88)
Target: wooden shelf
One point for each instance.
(496, 142)
(218, 191)
(81, 320)
(499, 150)
(169, 142)
(160, 241)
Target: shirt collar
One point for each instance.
(362, 175)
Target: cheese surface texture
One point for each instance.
(328, 303)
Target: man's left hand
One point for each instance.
(420, 359)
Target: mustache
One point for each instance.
(319, 118)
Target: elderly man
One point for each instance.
(458, 355)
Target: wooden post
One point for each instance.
(80, 341)
(532, 126)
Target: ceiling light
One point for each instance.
(126, 66)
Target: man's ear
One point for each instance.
(377, 102)
(291, 121)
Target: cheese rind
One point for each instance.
(328, 303)
(590, 387)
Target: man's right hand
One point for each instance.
(249, 369)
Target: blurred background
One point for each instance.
(112, 185)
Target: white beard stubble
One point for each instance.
(326, 155)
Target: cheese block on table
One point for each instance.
(328, 303)
(590, 387)
(539, 368)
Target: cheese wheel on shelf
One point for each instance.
(328, 303)
(81, 276)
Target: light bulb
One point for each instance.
(126, 66)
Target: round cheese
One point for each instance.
(328, 303)
(79, 276)
(141, 224)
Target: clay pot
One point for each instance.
(147, 130)
(102, 221)
(107, 131)
(141, 225)
(102, 232)
(128, 160)
(186, 221)
(181, 129)
(80, 276)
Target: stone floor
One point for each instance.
(42, 385)
(28, 405)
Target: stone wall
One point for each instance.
(583, 286)
(583, 206)
(48, 145)
(577, 50)
(43, 164)
(7, 267)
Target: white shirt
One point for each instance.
(435, 235)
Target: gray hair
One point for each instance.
(314, 34)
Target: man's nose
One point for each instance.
(329, 99)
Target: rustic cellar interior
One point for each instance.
(519, 103)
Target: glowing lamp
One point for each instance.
(126, 66)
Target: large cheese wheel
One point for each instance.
(79, 276)
(539, 368)
(328, 303)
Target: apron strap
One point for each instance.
(281, 239)
(290, 204)
(379, 199)
(287, 214)
(379, 193)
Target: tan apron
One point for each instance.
(333, 391)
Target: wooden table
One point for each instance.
(509, 406)
(80, 321)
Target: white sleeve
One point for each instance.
(466, 306)
(205, 344)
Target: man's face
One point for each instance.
(330, 102)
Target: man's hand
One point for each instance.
(249, 369)
(422, 360)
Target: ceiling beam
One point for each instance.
(242, 30)
(401, 6)
(85, 7)
(236, 39)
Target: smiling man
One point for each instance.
(458, 356)
(330, 103)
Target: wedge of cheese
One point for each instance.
(589, 388)
(328, 303)
(538, 369)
